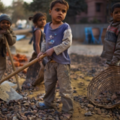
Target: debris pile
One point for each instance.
(108, 98)
(92, 109)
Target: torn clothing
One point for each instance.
(60, 39)
(111, 46)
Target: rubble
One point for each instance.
(25, 109)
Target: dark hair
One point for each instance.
(59, 1)
(117, 5)
(37, 16)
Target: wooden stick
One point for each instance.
(16, 76)
(22, 68)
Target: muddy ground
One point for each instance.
(85, 64)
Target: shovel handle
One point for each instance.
(16, 76)
(23, 67)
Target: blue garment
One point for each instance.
(54, 37)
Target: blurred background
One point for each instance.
(87, 18)
(82, 15)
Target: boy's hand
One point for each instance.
(49, 52)
(3, 31)
(41, 53)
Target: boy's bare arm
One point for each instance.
(37, 41)
(67, 41)
(11, 37)
(116, 55)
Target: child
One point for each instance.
(58, 40)
(39, 21)
(5, 33)
(111, 48)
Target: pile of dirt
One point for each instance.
(89, 65)
(83, 68)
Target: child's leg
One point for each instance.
(50, 79)
(63, 74)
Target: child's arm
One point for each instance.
(37, 40)
(116, 55)
(66, 43)
(11, 37)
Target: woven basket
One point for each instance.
(107, 80)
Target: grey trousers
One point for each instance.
(60, 72)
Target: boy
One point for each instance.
(5, 33)
(58, 40)
(111, 48)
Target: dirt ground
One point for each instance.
(80, 72)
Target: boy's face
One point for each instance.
(58, 12)
(116, 15)
(4, 24)
(41, 22)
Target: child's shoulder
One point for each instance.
(66, 25)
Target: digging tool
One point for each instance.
(16, 76)
(23, 67)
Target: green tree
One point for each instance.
(19, 12)
(75, 7)
(2, 8)
(38, 5)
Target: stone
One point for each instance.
(90, 106)
(98, 111)
(113, 97)
(14, 118)
(88, 114)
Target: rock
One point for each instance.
(26, 104)
(4, 109)
(74, 91)
(88, 114)
(14, 118)
(118, 116)
(61, 117)
(90, 106)
(113, 97)
(98, 111)
(56, 118)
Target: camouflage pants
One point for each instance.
(60, 72)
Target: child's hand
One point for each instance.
(41, 53)
(3, 31)
(49, 52)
